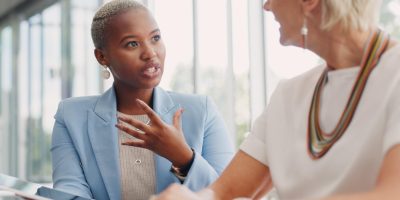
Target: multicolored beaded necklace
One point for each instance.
(320, 142)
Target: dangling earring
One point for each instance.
(105, 73)
(304, 32)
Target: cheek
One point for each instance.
(162, 53)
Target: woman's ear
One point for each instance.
(309, 5)
(99, 54)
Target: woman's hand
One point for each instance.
(161, 138)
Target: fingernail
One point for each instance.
(139, 101)
(121, 118)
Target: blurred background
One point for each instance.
(227, 49)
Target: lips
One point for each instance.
(151, 70)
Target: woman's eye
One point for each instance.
(132, 44)
(156, 38)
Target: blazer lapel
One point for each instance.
(164, 106)
(104, 140)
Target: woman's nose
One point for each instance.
(148, 52)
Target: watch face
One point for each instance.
(181, 177)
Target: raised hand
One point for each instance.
(161, 138)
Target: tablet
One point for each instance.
(19, 187)
(32, 190)
(57, 194)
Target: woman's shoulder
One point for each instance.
(188, 98)
(80, 100)
(200, 104)
(391, 57)
(79, 103)
(304, 80)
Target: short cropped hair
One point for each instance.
(350, 14)
(104, 15)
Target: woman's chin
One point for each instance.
(288, 42)
(284, 42)
(151, 84)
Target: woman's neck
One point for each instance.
(126, 99)
(340, 50)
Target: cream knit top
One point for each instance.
(137, 166)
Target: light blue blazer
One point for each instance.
(85, 152)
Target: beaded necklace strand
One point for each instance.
(320, 142)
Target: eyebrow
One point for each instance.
(134, 36)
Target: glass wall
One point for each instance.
(178, 74)
(207, 53)
(85, 71)
(6, 76)
(39, 88)
(45, 57)
(240, 63)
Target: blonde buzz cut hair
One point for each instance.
(104, 15)
(350, 14)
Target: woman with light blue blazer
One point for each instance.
(135, 139)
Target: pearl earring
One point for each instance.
(304, 33)
(105, 73)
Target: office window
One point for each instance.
(85, 70)
(43, 87)
(24, 75)
(214, 76)
(205, 54)
(241, 67)
(177, 33)
(34, 129)
(41, 76)
(5, 95)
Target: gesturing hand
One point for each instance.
(161, 138)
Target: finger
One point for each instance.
(130, 131)
(177, 118)
(155, 119)
(136, 123)
(136, 143)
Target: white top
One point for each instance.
(279, 135)
(138, 176)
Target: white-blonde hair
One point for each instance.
(104, 15)
(350, 14)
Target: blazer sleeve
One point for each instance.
(217, 151)
(67, 172)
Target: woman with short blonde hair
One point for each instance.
(332, 132)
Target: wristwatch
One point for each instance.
(181, 173)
